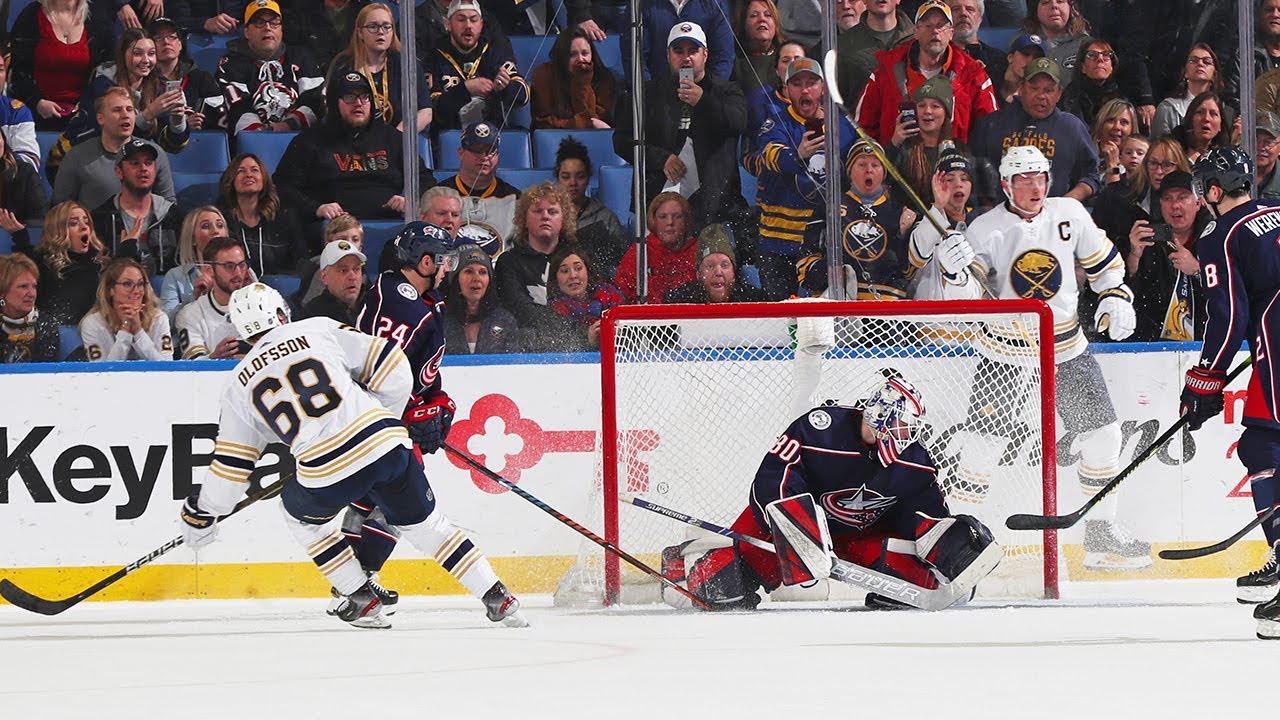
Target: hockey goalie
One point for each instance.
(852, 481)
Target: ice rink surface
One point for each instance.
(1172, 649)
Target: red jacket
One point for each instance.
(668, 269)
(895, 79)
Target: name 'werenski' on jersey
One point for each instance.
(858, 485)
(394, 310)
(1239, 257)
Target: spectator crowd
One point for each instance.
(1122, 97)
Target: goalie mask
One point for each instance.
(895, 413)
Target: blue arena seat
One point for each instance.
(196, 189)
(615, 189)
(286, 285)
(377, 233)
(610, 51)
(157, 282)
(525, 177)
(207, 50)
(268, 146)
(206, 152)
(513, 152)
(520, 117)
(6, 243)
(599, 146)
(749, 185)
(998, 38)
(424, 150)
(68, 341)
(531, 51)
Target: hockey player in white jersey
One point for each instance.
(1029, 246)
(334, 395)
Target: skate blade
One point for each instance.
(516, 620)
(371, 622)
(1112, 561)
(1254, 594)
(1268, 630)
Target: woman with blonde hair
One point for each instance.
(671, 247)
(55, 45)
(374, 52)
(70, 256)
(192, 276)
(1136, 197)
(25, 334)
(126, 322)
(1117, 119)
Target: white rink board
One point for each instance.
(546, 416)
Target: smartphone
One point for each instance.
(813, 125)
(171, 85)
(907, 111)
(1164, 236)
(686, 74)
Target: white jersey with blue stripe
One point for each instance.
(330, 392)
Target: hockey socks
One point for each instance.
(455, 552)
(330, 552)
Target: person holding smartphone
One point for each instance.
(1162, 268)
(204, 104)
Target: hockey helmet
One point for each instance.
(418, 239)
(255, 309)
(895, 411)
(1021, 159)
(1228, 167)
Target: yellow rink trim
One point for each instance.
(535, 574)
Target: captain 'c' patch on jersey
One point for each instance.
(864, 240)
(857, 507)
(1036, 275)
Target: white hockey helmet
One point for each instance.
(895, 411)
(1021, 159)
(256, 308)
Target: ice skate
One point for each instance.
(362, 609)
(1259, 585)
(501, 606)
(388, 598)
(1108, 546)
(1268, 616)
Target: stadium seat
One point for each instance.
(424, 151)
(998, 38)
(196, 189)
(615, 189)
(599, 146)
(610, 52)
(207, 152)
(524, 178)
(750, 184)
(206, 51)
(34, 232)
(286, 285)
(513, 152)
(157, 282)
(377, 233)
(268, 146)
(68, 341)
(15, 7)
(6, 243)
(531, 51)
(520, 117)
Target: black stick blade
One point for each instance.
(25, 600)
(1040, 522)
(1190, 553)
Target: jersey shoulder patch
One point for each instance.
(1208, 229)
(407, 290)
(820, 419)
(766, 126)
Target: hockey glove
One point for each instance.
(1202, 395)
(428, 421)
(198, 527)
(1115, 314)
(955, 254)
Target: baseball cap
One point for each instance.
(1043, 66)
(348, 83)
(1268, 123)
(160, 24)
(134, 146)
(1027, 42)
(458, 5)
(335, 251)
(799, 66)
(472, 254)
(687, 31)
(480, 134)
(951, 160)
(257, 6)
(1177, 180)
(925, 7)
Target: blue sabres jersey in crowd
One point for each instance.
(394, 310)
(858, 485)
(873, 246)
(1239, 257)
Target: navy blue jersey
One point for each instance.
(872, 245)
(394, 310)
(1239, 257)
(858, 485)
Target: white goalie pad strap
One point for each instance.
(801, 536)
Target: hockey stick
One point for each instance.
(636, 563)
(829, 67)
(1190, 553)
(856, 575)
(1062, 522)
(25, 600)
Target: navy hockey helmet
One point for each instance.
(418, 239)
(1228, 167)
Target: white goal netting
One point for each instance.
(694, 396)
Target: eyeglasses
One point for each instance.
(1100, 55)
(1158, 165)
(1200, 60)
(378, 28)
(166, 38)
(231, 266)
(356, 98)
(131, 284)
(273, 23)
(934, 27)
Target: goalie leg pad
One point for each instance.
(877, 551)
(950, 545)
(725, 581)
(801, 538)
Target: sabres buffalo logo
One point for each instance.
(864, 240)
(857, 507)
(1036, 275)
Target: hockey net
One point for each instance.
(694, 396)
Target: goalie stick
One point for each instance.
(480, 467)
(1061, 522)
(860, 577)
(32, 603)
(1190, 553)
(829, 67)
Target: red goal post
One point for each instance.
(740, 353)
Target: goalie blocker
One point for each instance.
(861, 469)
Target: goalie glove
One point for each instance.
(1115, 314)
(954, 255)
(1202, 396)
(199, 528)
(951, 544)
(428, 421)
